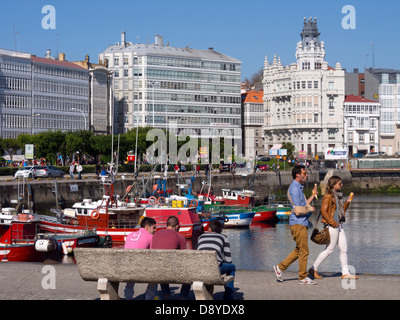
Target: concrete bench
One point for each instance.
(109, 267)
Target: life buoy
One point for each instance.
(194, 203)
(161, 201)
(152, 201)
(95, 214)
(128, 189)
(226, 219)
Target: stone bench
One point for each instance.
(109, 267)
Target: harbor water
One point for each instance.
(373, 239)
(372, 230)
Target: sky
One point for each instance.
(245, 30)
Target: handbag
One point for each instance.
(320, 237)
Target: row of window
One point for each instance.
(362, 109)
(189, 109)
(15, 101)
(60, 104)
(60, 72)
(61, 87)
(15, 66)
(14, 83)
(362, 137)
(191, 120)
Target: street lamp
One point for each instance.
(84, 116)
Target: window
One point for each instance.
(315, 84)
(331, 85)
(331, 104)
(116, 61)
(372, 137)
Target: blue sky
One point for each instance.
(245, 30)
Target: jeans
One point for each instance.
(338, 237)
(300, 236)
(166, 292)
(229, 269)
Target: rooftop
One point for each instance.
(162, 50)
(352, 98)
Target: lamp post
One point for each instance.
(84, 116)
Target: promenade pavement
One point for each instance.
(61, 281)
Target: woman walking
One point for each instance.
(333, 213)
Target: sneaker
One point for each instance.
(278, 273)
(307, 280)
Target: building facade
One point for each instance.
(385, 88)
(252, 123)
(303, 102)
(190, 91)
(361, 124)
(60, 95)
(15, 93)
(45, 93)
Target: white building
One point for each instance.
(46, 93)
(158, 85)
(60, 93)
(361, 124)
(303, 102)
(252, 123)
(15, 93)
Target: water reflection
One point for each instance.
(372, 230)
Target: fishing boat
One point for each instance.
(264, 214)
(189, 221)
(282, 206)
(106, 217)
(17, 238)
(235, 216)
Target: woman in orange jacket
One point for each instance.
(333, 212)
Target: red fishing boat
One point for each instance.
(17, 237)
(264, 214)
(189, 221)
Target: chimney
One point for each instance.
(61, 57)
(123, 36)
(159, 40)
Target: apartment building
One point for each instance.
(304, 100)
(361, 124)
(252, 123)
(190, 91)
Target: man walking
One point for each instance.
(298, 222)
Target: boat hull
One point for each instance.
(283, 213)
(21, 253)
(264, 214)
(189, 221)
(236, 220)
(117, 235)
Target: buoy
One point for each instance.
(95, 214)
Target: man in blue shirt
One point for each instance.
(298, 225)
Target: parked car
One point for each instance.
(224, 167)
(48, 172)
(263, 158)
(25, 172)
(263, 167)
(358, 155)
(375, 154)
(397, 154)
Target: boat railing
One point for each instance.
(124, 223)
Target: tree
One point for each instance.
(11, 146)
(290, 148)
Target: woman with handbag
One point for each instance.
(333, 212)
